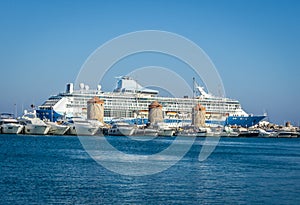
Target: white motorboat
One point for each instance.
(80, 126)
(286, 134)
(229, 132)
(166, 132)
(263, 133)
(147, 131)
(190, 134)
(191, 131)
(33, 125)
(201, 132)
(122, 129)
(10, 125)
(164, 129)
(215, 132)
(272, 133)
(57, 128)
(249, 133)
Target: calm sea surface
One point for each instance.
(57, 170)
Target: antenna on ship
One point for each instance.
(16, 109)
(193, 87)
(52, 117)
(193, 101)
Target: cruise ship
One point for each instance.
(129, 102)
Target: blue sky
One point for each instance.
(255, 45)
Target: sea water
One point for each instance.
(57, 170)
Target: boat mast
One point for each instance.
(193, 88)
(16, 110)
(193, 101)
(52, 114)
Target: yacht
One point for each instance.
(192, 131)
(286, 134)
(122, 129)
(10, 125)
(57, 128)
(229, 132)
(249, 133)
(81, 126)
(164, 129)
(146, 131)
(33, 125)
(263, 133)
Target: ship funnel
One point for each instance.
(95, 109)
(198, 116)
(155, 113)
(70, 88)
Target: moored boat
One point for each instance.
(166, 132)
(287, 134)
(164, 129)
(57, 129)
(146, 131)
(229, 132)
(80, 126)
(191, 131)
(263, 133)
(122, 129)
(248, 133)
(33, 125)
(10, 125)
